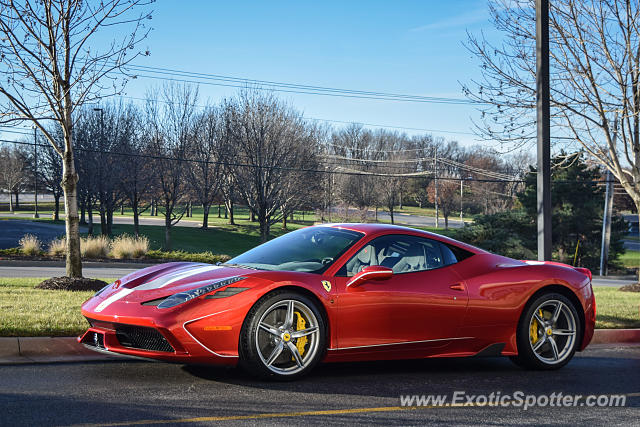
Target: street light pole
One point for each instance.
(435, 174)
(35, 171)
(543, 130)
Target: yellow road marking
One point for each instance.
(266, 415)
(294, 414)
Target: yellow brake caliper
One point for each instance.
(300, 325)
(534, 329)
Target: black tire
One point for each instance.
(546, 357)
(256, 344)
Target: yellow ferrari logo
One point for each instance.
(326, 285)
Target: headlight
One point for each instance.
(182, 297)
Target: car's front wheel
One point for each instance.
(548, 333)
(283, 336)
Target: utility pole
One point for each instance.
(608, 211)
(461, 181)
(435, 175)
(35, 171)
(543, 130)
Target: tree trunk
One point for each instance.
(205, 216)
(219, 211)
(17, 200)
(136, 222)
(103, 220)
(83, 207)
(446, 220)
(264, 227)
(284, 220)
(10, 202)
(167, 231)
(252, 216)
(56, 212)
(90, 216)
(122, 209)
(109, 222)
(229, 207)
(637, 205)
(391, 214)
(72, 242)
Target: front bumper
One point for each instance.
(204, 332)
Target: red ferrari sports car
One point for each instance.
(346, 292)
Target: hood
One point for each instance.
(167, 279)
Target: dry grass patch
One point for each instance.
(57, 247)
(30, 245)
(94, 247)
(125, 246)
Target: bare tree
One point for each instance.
(50, 174)
(13, 173)
(448, 197)
(138, 171)
(595, 77)
(353, 149)
(275, 147)
(51, 63)
(169, 117)
(205, 151)
(397, 160)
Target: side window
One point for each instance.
(401, 253)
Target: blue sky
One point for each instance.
(410, 47)
(406, 47)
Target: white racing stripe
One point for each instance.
(163, 281)
(115, 297)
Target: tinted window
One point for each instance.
(403, 254)
(310, 250)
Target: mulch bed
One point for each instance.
(631, 288)
(72, 284)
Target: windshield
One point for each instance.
(310, 250)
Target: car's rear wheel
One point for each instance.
(283, 336)
(548, 332)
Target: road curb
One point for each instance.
(19, 350)
(616, 336)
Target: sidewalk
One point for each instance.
(21, 350)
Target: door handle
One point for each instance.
(457, 287)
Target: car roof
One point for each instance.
(371, 229)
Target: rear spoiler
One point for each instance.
(582, 270)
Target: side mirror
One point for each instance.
(373, 272)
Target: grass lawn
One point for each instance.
(615, 309)
(630, 259)
(25, 311)
(29, 312)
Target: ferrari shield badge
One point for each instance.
(326, 285)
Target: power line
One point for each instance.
(325, 171)
(241, 82)
(293, 169)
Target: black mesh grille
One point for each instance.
(142, 338)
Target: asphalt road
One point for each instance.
(48, 271)
(12, 231)
(108, 393)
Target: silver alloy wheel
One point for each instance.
(280, 339)
(552, 332)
